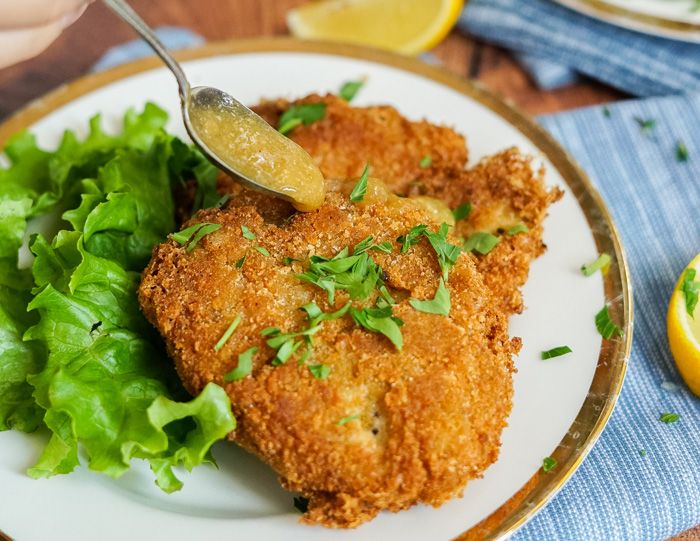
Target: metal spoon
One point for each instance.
(234, 137)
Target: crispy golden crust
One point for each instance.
(503, 189)
(430, 416)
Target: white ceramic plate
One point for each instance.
(675, 19)
(560, 406)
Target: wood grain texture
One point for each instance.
(83, 44)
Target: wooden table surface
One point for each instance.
(83, 43)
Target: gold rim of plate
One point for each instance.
(643, 22)
(612, 360)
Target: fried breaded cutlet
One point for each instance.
(504, 190)
(387, 428)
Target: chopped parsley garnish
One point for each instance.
(440, 304)
(380, 320)
(289, 260)
(606, 111)
(426, 161)
(306, 113)
(346, 420)
(548, 464)
(224, 338)
(244, 366)
(350, 89)
(462, 212)
(481, 242)
(601, 263)
(240, 262)
(555, 352)
(263, 251)
(690, 289)
(358, 192)
(367, 244)
(681, 152)
(518, 228)
(606, 327)
(645, 126)
(301, 504)
(285, 351)
(669, 418)
(247, 233)
(642, 453)
(412, 237)
(191, 236)
(447, 253)
(320, 371)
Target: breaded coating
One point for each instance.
(387, 429)
(504, 190)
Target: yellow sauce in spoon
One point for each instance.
(245, 143)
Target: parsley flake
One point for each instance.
(481, 242)
(247, 233)
(426, 161)
(263, 251)
(221, 202)
(645, 126)
(346, 420)
(606, 112)
(548, 464)
(440, 304)
(462, 212)
(681, 152)
(690, 289)
(244, 366)
(358, 192)
(447, 253)
(669, 418)
(518, 228)
(380, 320)
(350, 89)
(412, 237)
(642, 453)
(320, 371)
(227, 334)
(555, 352)
(602, 264)
(606, 327)
(305, 113)
(240, 262)
(191, 236)
(289, 260)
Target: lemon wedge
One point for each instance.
(684, 329)
(403, 26)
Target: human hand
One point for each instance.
(27, 27)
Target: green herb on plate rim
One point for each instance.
(548, 464)
(555, 352)
(602, 264)
(682, 154)
(642, 453)
(224, 338)
(358, 192)
(645, 125)
(607, 327)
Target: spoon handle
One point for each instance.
(124, 10)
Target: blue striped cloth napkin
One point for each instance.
(617, 493)
(641, 481)
(571, 43)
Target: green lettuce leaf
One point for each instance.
(75, 349)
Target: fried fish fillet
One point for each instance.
(504, 190)
(387, 428)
